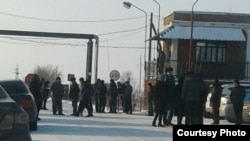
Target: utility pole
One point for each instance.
(89, 60)
(140, 87)
(191, 37)
(17, 72)
(149, 48)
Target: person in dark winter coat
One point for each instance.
(97, 95)
(57, 90)
(102, 96)
(192, 95)
(35, 88)
(237, 98)
(113, 93)
(150, 99)
(81, 105)
(215, 101)
(159, 103)
(86, 98)
(180, 107)
(74, 95)
(170, 95)
(45, 93)
(128, 98)
(120, 89)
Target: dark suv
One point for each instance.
(20, 93)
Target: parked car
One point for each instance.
(21, 94)
(14, 121)
(229, 111)
(224, 99)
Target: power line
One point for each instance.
(118, 37)
(130, 30)
(70, 21)
(68, 44)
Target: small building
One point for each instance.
(213, 44)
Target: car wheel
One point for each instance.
(33, 125)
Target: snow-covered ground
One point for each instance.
(100, 127)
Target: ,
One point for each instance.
(20, 93)
(14, 121)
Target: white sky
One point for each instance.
(84, 16)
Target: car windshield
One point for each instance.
(16, 87)
(2, 93)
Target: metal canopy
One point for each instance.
(59, 35)
(203, 33)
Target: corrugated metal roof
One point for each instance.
(203, 33)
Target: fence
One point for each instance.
(228, 70)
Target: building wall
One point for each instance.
(236, 56)
(212, 19)
(238, 52)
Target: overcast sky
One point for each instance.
(121, 32)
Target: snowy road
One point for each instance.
(101, 127)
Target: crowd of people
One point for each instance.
(186, 99)
(82, 95)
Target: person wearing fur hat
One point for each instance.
(169, 95)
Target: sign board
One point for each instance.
(114, 74)
(70, 76)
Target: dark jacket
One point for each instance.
(238, 94)
(169, 83)
(57, 90)
(216, 95)
(74, 91)
(158, 97)
(113, 92)
(103, 90)
(88, 92)
(121, 88)
(193, 89)
(128, 91)
(35, 89)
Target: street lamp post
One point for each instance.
(128, 5)
(191, 37)
(158, 30)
